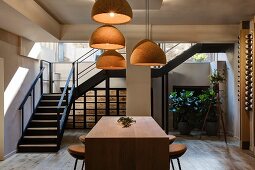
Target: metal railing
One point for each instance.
(76, 66)
(31, 93)
(68, 98)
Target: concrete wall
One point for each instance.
(9, 51)
(1, 109)
(190, 74)
(138, 86)
(232, 116)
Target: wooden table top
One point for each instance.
(145, 127)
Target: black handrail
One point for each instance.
(68, 101)
(84, 55)
(76, 66)
(172, 48)
(87, 71)
(86, 68)
(88, 56)
(31, 92)
(31, 88)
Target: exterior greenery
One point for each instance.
(199, 57)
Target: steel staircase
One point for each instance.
(44, 130)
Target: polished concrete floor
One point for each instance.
(206, 154)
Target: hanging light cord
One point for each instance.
(148, 19)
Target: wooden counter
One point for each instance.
(143, 146)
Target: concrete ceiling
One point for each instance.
(168, 12)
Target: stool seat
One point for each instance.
(82, 138)
(171, 138)
(77, 151)
(176, 150)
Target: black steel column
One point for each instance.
(107, 95)
(95, 106)
(152, 102)
(85, 111)
(50, 78)
(167, 105)
(163, 102)
(41, 79)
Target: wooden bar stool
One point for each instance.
(175, 152)
(171, 139)
(78, 152)
(82, 138)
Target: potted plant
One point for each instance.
(216, 78)
(208, 104)
(183, 104)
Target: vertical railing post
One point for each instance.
(74, 73)
(33, 99)
(74, 86)
(58, 122)
(22, 121)
(50, 77)
(41, 79)
(67, 95)
(77, 73)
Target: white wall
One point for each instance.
(9, 50)
(1, 109)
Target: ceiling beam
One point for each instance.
(29, 16)
(171, 33)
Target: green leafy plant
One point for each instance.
(126, 121)
(208, 100)
(183, 104)
(216, 78)
(199, 57)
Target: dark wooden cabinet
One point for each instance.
(90, 107)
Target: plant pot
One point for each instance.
(212, 128)
(184, 128)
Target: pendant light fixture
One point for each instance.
(111, 60)
(147, 52)
(107, 37)
(111, 12)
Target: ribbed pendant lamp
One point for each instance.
(107, 37)
(111, 60)
(111, 12)
(147, 52)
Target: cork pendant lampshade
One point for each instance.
(111, 12)
(107, 37)
(147, 53)
(111, 60)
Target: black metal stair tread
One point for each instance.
(51, 100)
(50, 107)
(38, 145)
(41, 128)
(41, 137)
(45, 121)
(52, 94)
(44, 114)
